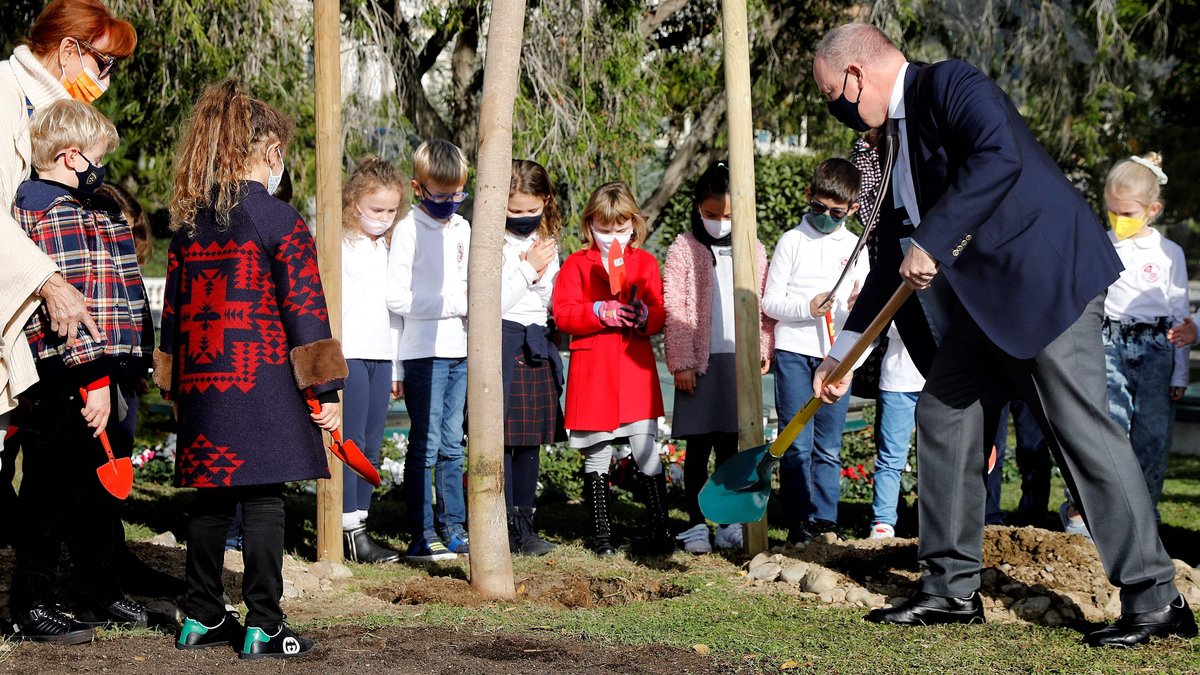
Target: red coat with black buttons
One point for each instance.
(612, 378)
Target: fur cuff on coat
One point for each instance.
(319, 362)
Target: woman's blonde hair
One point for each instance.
(1132, 179)
(372, 174)
(62, 124)
(226, 127)
(530, 178)
(613, 203)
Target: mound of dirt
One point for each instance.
(1029, 574)
(558, 591)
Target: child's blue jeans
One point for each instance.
(1139, 361)
(365, 400)
(435, 390)
(894, 428)
(810, 471)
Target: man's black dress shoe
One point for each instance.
(924, 609)
(1135, 629)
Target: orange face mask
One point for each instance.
(86, 87)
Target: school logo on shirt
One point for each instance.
(1151, 273)
(843, 262)
(461, 252)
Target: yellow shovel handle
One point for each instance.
(802, 418)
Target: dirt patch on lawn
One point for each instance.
(1028, 574)
(555, 590)
(354, 650)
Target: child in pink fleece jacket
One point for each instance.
(698, 294)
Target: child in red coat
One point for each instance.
(608, 297)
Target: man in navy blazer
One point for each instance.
(1010, 266)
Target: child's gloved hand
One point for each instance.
(641, 314)
(614, 314)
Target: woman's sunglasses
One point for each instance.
(818, 208)
(106, 62)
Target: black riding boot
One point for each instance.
(658, 540)
(595, 490)
(522, 538)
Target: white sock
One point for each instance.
(362, 516)
(350, 520)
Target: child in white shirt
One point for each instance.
(807, 262)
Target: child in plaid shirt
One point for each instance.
(73, 403)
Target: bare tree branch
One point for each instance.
(696, 149)
(654, 20)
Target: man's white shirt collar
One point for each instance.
(896, 104)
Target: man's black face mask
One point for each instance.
(845, 111)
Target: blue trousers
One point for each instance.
(810, 471)
(1138, 361)
(894, 427)
(364, 411)
(436, 392)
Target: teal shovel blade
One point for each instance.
(738, 491)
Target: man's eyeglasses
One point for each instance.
(106, 62)
(442, 198)
(818, 207)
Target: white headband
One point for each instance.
(1158, 172)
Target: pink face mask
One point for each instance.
(371, 226)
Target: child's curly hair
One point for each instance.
(372, 173)
(226, 128)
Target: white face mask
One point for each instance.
(274, 180)
(371, 226)
(604, 241)
(717, 229)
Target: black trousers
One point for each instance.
(62, 500)
(695, 466)
(262, 525)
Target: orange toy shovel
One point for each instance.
(348, 452)
(116, 475)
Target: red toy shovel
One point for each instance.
(348, 452)
(116, 475)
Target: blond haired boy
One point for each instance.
(69, 408)
(427, 286)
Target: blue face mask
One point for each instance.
(824, 223)
(440, 210)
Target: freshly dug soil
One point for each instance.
(557, 591)
(354, 650)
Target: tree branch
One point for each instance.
(696, 149)
(663, 11)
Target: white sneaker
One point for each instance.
(882, 531)
(695, 539)
(729, 536)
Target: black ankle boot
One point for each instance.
(359, 547)
(658, 539)
(596, 492)
(529, 542)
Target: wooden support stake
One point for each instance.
(487, 523)
(745, 241)
(327, 57)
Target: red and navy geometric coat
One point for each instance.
(245, 337)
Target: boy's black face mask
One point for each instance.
(845, 111)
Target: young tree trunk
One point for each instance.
(491, 562)
(745, 257)
(327, 56)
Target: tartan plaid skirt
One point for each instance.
(535, 416)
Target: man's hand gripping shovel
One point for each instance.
(738, 491)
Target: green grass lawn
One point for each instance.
(748, 630)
